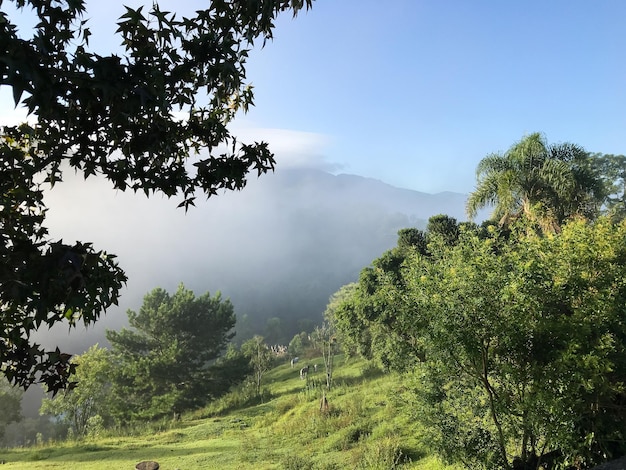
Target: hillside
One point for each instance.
(277, 249)
(367, 426)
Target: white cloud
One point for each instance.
(293, 149)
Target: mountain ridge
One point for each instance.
(278, 248)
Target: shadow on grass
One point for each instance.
(357, 380)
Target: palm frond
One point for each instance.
(489, 192)
(545, 183)
(529, 153)
(492, 163)
(558, 176)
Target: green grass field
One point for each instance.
(367, 426)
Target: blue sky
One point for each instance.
(415, 93)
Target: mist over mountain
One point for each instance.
(279, 248)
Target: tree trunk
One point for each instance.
(492, 409)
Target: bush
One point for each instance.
(95, 426)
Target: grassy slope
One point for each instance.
(366, 427)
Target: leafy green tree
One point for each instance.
(117, 116)
(375, 322)
(351, 319)
(260, 358)
(443, 226)
(518, 358)
(371, 317)
(412, 237)
(338, 319)
(80, 405)
(544, 183)
(10, 410)
(515, 340)
(165, 363)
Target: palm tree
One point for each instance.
(543, 183)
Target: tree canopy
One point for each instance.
(517, 358)
(612, 171)
(165, 363)
(10, 410)
(260, 357)
(152, 119)
(85, 406)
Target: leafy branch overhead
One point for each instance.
(118, 115)
(153, 119)
(42, 282)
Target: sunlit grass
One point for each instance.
(366, 426)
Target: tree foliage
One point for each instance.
(299, 344)
(515, 341)
(612, 171)
(363, 313)
(153, 119)
(324, 339)
(260, 358)
(165, 364)
(41, 282)
(89, 401)
(10, 411)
